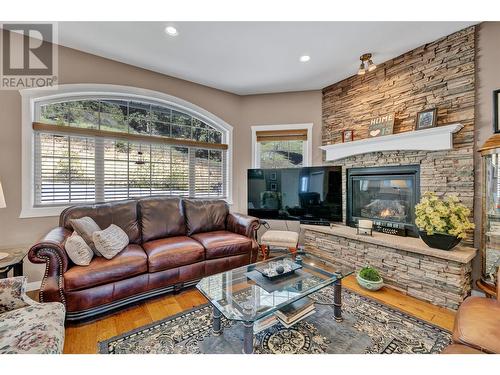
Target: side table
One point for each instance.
(13, 261)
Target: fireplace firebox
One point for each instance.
(386, 195)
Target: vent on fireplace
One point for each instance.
(386, 195)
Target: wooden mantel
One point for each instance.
(433, 139)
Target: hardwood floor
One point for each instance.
(84, 338)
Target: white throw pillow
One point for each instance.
(78, 251)
(110, 241)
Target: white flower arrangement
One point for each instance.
(447, 216)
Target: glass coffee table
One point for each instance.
(242, 294)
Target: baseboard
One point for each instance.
(34, 285)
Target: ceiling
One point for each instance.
(252, 57)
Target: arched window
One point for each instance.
(97, 148)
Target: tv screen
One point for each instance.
(309, 195)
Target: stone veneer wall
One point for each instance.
(438, 281)
(439, 74)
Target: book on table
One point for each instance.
(296, 311)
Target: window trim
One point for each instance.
(307, 144)
(31, 97)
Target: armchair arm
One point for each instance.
(242, 224)
(50, 250)
(12, 293)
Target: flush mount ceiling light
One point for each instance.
(305, 58)
(172, 31)
(369, 67)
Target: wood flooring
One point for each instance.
(84, 338)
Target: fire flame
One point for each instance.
(386, 213)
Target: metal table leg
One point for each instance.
(18, 269)
(248, 338)
(216, 325)
(337, 300)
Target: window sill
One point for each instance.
(30, 212)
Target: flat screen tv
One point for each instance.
(310, 195)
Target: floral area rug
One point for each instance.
(368, 327)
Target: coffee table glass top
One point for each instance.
(9, 257)
(238, 297)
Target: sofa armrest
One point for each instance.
(242, 224)
(50, 250)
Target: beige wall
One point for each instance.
(78, 67)
(487, 80)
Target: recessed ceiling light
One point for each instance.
(305, 58)
(172, 31)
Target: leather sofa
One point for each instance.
(173, 243)
(477, 326)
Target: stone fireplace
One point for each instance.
(386, 195)
(382, 179)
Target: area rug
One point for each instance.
(368, 327)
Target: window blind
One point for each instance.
(71, 169)
(97, 150)
(281, 135)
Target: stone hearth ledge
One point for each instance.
(460, 254)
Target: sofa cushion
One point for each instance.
(122, 213)
(222, 243)
(477, 324)
(205, 215)
(129, 262)
(172, 252)
(161, 217)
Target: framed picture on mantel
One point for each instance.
(426, 119)
(496, 111)
(348, 135)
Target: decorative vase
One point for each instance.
(439, 240)
(369, 284)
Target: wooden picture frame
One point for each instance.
(347, 135)
(426, 119)
(496, 111)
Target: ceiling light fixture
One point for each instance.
(305, 58)
(172, 31)
(369, 67)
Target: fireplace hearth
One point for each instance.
(386, 195)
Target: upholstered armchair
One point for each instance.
(26, 326)
(477, 326)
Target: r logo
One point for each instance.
(32, 55)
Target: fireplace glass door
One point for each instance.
(388, 198)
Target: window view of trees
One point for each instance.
(86, 169)
(128, 117)
(281, 154)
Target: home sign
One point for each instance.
(382, 125)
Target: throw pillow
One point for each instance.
(78, 251)
(110, 241)
(12, 294)
(85, 227)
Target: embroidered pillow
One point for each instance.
(85, 227)
(110, 241)
(78, 251)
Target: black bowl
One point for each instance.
(439, 240)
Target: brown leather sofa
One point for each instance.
(477, 326)
(173, 243)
